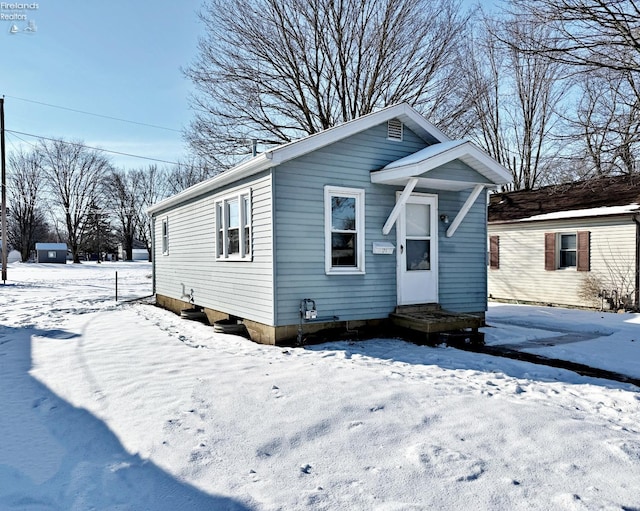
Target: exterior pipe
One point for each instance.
(153, 255)
(636, 297)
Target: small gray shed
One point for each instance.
(51, 253)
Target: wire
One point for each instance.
(76, 144)
(93, 114)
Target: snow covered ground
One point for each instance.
(123, 406)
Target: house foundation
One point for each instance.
(419, 321)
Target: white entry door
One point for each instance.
(417, 250)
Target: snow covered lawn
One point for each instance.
(124, 406)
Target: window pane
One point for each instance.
(567, 258)
(568, 242)
(418, 255)
(220, 242)
(247, 241)
(343, 213)
(418, 219)
(247, 210)
(233, 219)
(343, 249)
(233, 246)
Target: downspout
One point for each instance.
(153, 255)
(636, 298)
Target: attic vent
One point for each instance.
(394, 129)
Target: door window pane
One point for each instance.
(418, 219)
(418, 255)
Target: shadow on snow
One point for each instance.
(56, 456)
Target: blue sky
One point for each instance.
(118, 58)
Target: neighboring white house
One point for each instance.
(574, 244)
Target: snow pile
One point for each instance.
(128, 407)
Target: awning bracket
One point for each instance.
(464, 210)
(402, 200)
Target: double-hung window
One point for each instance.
(165, 236)
(567, 250)
(233, 226)
(344, 230)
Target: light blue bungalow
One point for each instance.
(337, 229)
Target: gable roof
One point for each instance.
(280, 154)
(51, 246)
(421, 162)
(610, 195)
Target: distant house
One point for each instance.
(13, 256)
(139, 251)
(336, 229)
(573, 244)
(51, 253)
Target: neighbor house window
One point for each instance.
(233, 226)
(165, 236)
(344, 230)
(494, 252)
(51, 254)
(567, 251)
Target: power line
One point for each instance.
(76, 144)
(94, 114)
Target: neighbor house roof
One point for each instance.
(51, 246)
(610, 195)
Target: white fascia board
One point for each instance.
(435, 157)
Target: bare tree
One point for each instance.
(607, 124)
(600, 41)
(150, 186)
(275, 70)
(513, 101)
(73, 173)
(121, 191)
(590, 34)
(27, 222)
(185, 174)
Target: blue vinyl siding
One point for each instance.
(462, 263)
(300, 236)
(240, 288)
(288, 236)
(299, 233)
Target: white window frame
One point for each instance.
(559, 250)
(359, 195)
(165, 236)
(245, 226)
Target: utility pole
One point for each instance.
(4, 194)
